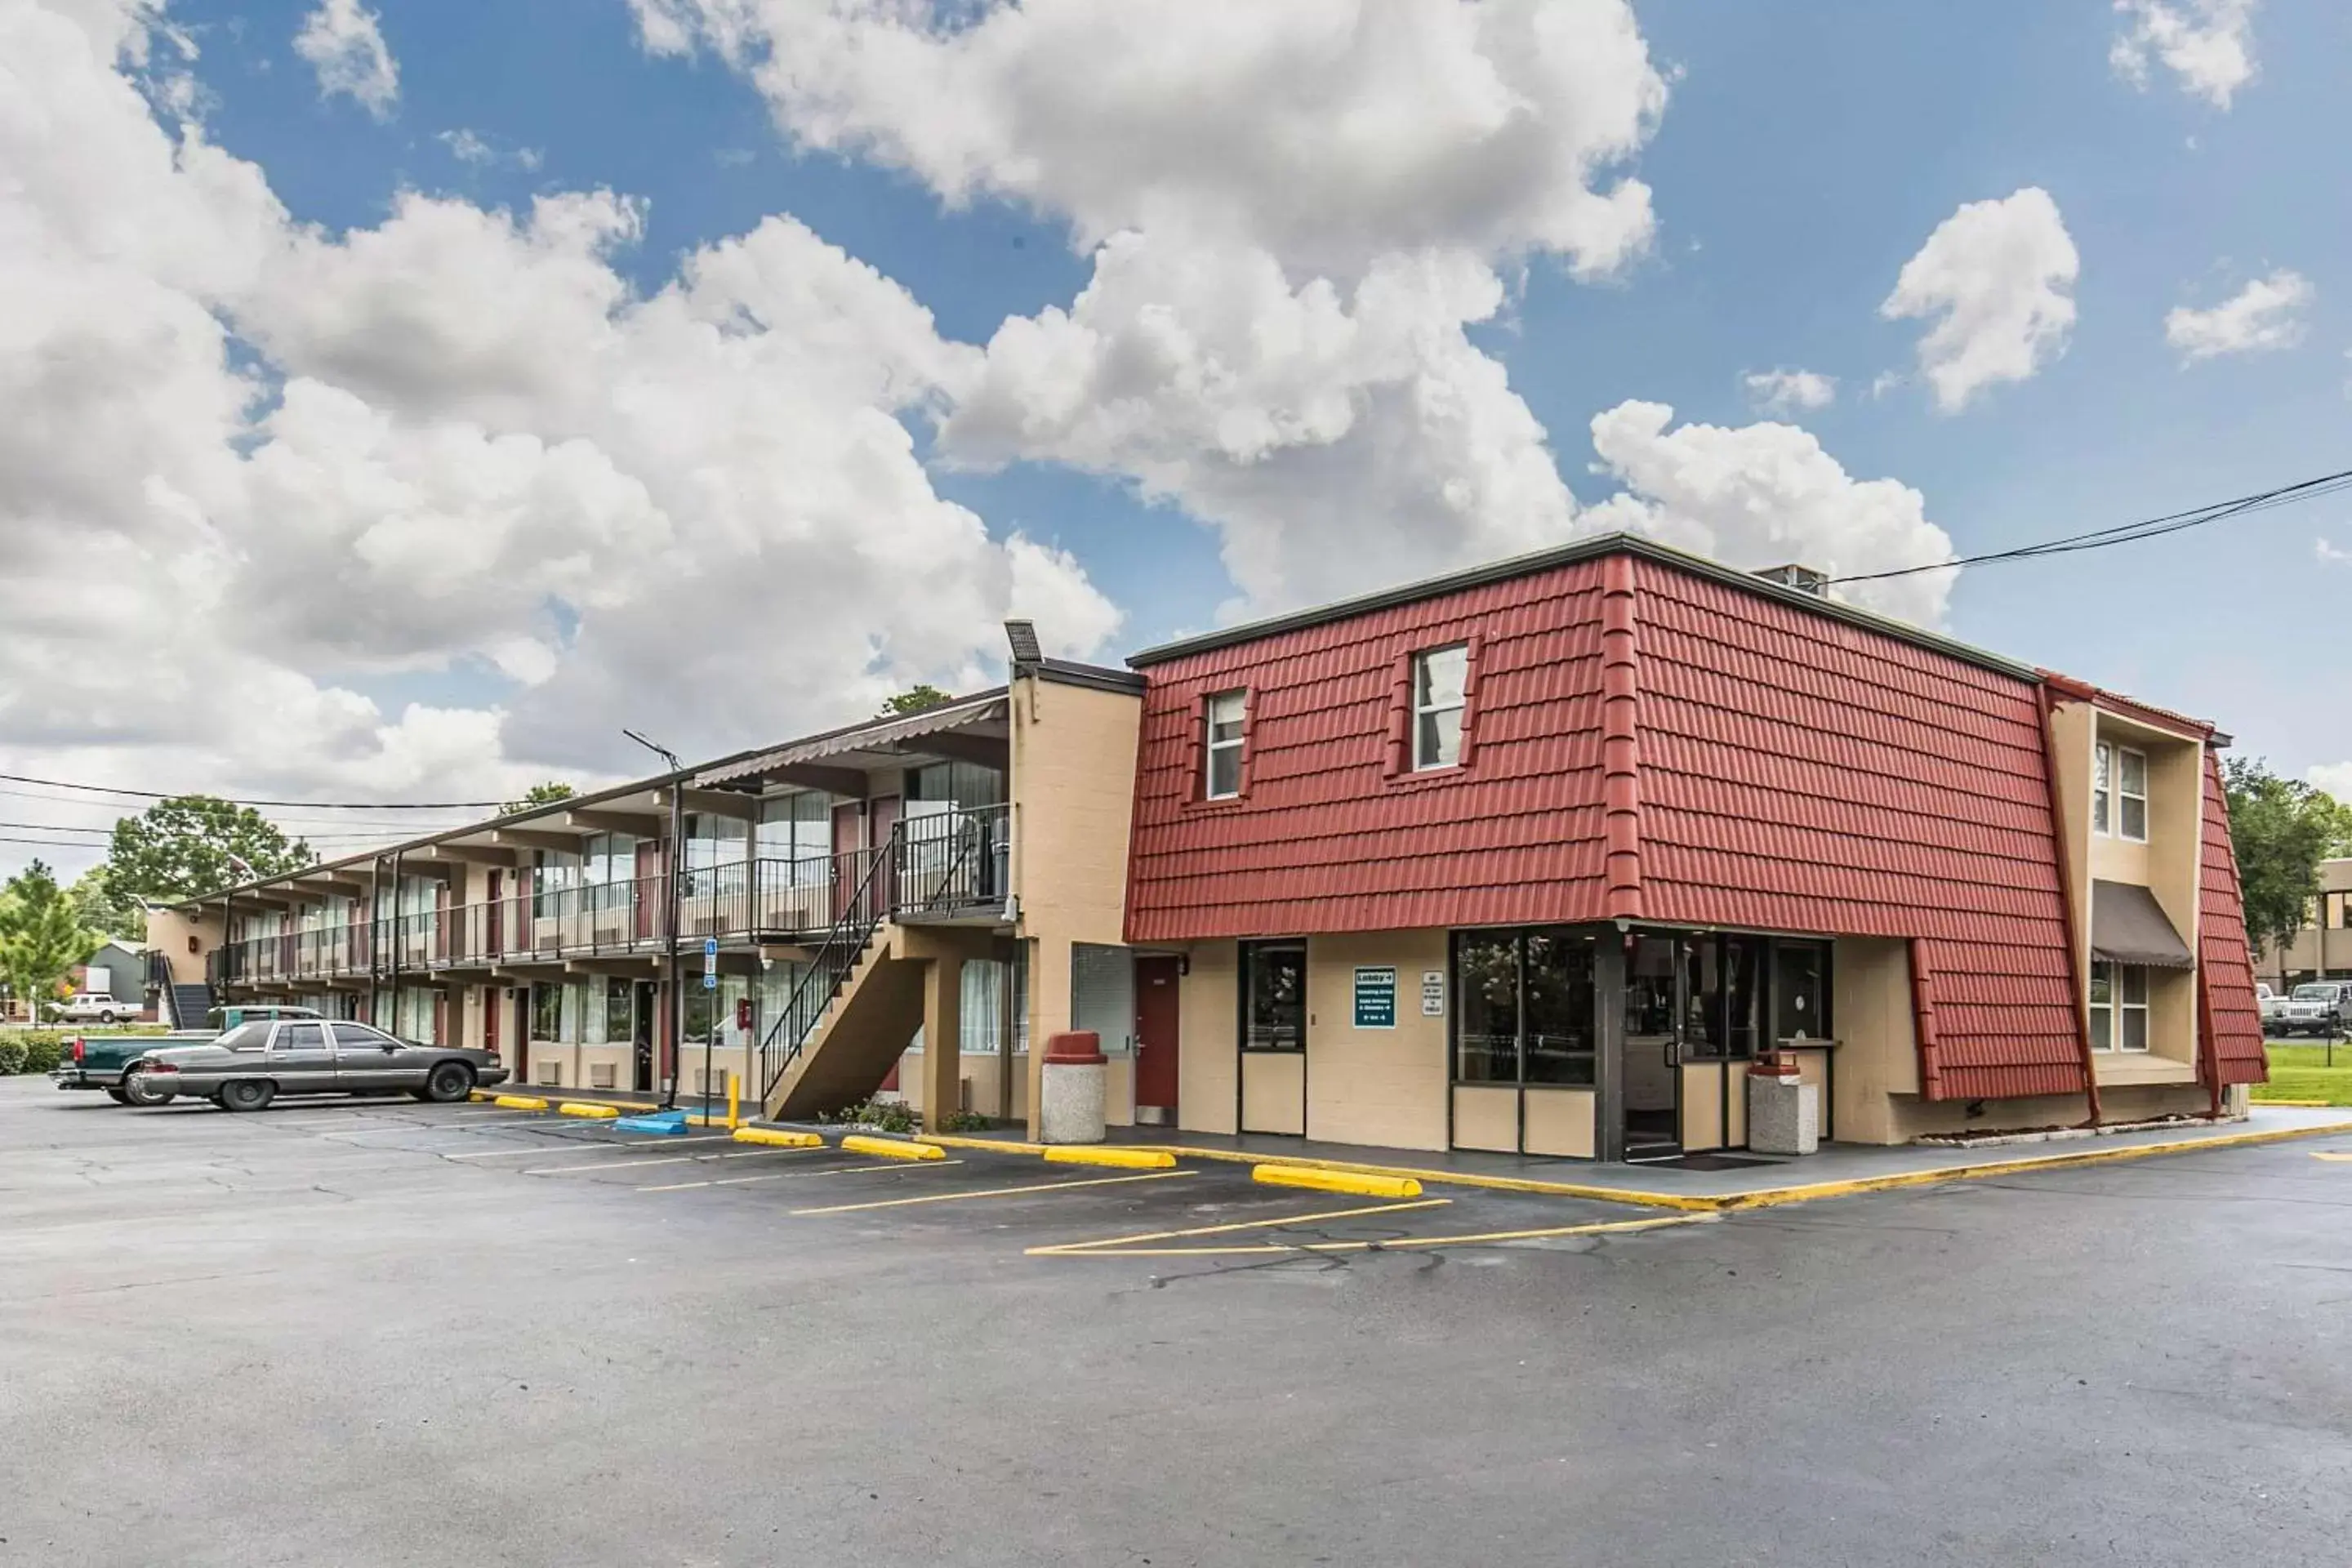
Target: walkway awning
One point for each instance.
(2128, 926)
(882, 735)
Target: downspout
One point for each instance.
(2075, 951)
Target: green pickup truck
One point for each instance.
(96, 1061)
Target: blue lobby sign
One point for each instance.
(1376, 997)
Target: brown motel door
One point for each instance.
(1155, 1039)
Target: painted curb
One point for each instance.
(1121, 1159)
(774, 1138)
(889, 1148)
(589, 1110)
(519, 1102)
(1351, 1182)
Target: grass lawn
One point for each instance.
(2300, 1072)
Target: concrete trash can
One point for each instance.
(1784, 1112)
(1070, 1108)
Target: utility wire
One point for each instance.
(2133, 532)
(318, 805)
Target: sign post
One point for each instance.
(710, 1019)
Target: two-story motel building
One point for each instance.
(1531, 858)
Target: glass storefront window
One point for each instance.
(1485, 1007)
(1800, 992)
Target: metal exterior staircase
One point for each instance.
(190, 1006)
(850, 1046)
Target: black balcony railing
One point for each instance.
(936, 864)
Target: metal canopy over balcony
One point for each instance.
(978, 723)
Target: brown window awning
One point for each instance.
(2128, 926)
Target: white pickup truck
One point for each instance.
(96, 1007)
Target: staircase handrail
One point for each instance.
(844, 941)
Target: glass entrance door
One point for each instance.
(1651, 1069)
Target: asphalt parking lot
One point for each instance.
(389, 1334)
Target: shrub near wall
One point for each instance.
(31, 1050)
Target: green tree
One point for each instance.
(101, 908)
(538, 794)
(914, 701)
(2281, 830)
(40, 936)
(191, 844)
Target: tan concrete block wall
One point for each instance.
(1208, 1011)
(1703, 1110)
(1384, 1087)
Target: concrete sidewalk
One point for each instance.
(1838, 1170)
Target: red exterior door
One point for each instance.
(494, 923)
(648, 903)
(489, 995)
(848, 826)
(1155, 1033)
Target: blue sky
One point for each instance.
(1803, 156)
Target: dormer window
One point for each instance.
(2119, 792)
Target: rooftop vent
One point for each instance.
(1804, 579)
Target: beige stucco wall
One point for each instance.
(1208, 1010)
(1487, 1117)
(2123, 1102)
(1382, 1087)
(1072, 789)
(1274, 1092)
(168, 931)
(1560, 1121)
(1877, 1052)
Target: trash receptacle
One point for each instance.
(1784, 1112)
(1070, 1110)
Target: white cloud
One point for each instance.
(341, 41)
(2207, 44)
(2335, 778)
(1326, 131)
(455, 442)
(2267, 313)
(2000, 277)
(1767, 494)
(471, 147)
(1294, 212)
(2331, 554)
(1334, 437)
(1781, 391)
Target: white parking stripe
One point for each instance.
(589, 1143)
(670, 1160)
(809, 1175)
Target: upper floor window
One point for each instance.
(1222, 777)
(2118, 1007)
(2119, 792)
(1440, 679)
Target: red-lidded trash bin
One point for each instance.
(1070, 1108)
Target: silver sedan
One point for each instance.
(253, 1064)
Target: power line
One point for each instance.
(103, 835)
(318, 805)
(2133, 532)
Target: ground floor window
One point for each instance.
(2118, 1007)
(1274, 995)
(1525, 1008)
